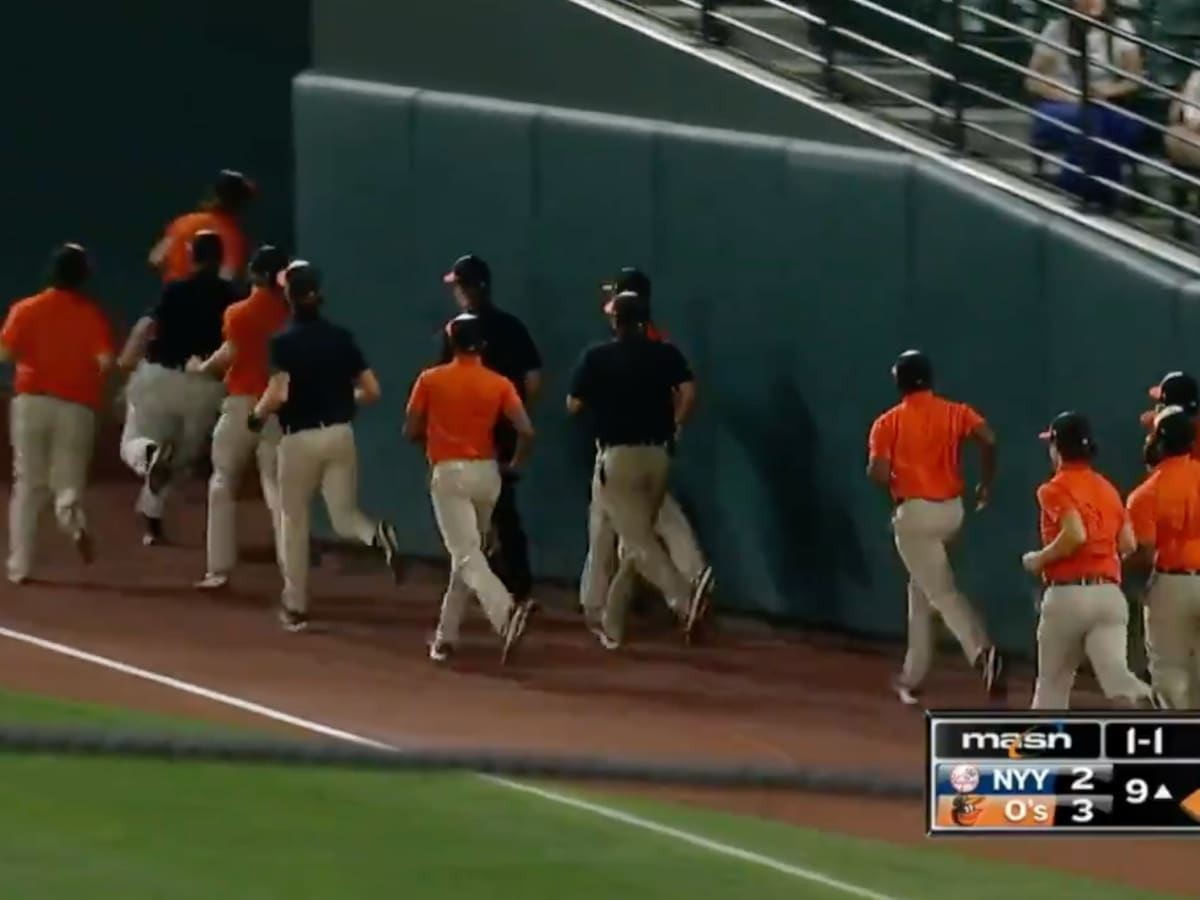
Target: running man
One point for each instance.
(1165, 514)
(631, 388)
(508, 350)
(672, 525)
(222, 212)
(62, 346)
(170, 412)
(1175, 389)
(914, 451)
(242, 360)
(453, 410)
(319, 379)
(1085, 532)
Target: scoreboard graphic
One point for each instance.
(1062, 773)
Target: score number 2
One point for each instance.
(1082, 808)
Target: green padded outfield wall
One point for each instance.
(791, 273)
(118, 114)
(553, 52)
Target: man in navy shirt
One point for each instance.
(170, 412)
(319, 379)
(630, 387)
(508, 350)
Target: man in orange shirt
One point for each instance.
(671, 525)
(1085, 532)
(1165, 513)
(913, 451)
(242, 358)
(62, 346)
(221, 212)
(453, 410)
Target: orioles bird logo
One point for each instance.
(966, 809)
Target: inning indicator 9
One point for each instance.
(1062, 773)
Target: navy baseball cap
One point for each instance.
(300, 278)
(1177, 389)
(234, 189)
(1174, 431)
(1071, 433)
(628, 280)
(465, 332)
(470, 271)
(913, 371)
(268, 261)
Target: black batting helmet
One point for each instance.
(913, 371)
(1174, 432)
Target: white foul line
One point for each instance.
(596, 809)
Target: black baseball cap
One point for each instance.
(1178, 389)
(628, 280)
(629, 308)
(470, 271)
(233, 189)
(267, 262)
(300, 279)
(465, 332)
(1071, 433)
(913, 371)
(1174, 431)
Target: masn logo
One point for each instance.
(1016, 744)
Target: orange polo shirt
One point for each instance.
(921, 437)
(249, 325)
(1165, 513)
(462, 401)
(55, 338)
(1147, 420)
(178, 261)
(1079, 487)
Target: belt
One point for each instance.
(1177, 571)
(1078, 582)
(308, 426)
(633, 444)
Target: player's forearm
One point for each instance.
(1063, 545)
(987, 464)
(521, 451)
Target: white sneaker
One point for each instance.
(440, 651)
(213, 581)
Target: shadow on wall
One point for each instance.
(810, 541)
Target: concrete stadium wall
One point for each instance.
(790, 272)
(551, 52)
(117, 115)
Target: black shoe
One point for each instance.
(291, 620)
(152, 531)
(158, 466)
(991, 669)
(385, 540)
(518, 619)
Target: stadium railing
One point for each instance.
(975, 53)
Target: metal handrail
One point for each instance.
(952, 76)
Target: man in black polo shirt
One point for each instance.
(170, 413)
(319, 378)
(509, 351)
(629, 387)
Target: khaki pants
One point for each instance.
(628, 488)
(464, 493)
(324, 458)
(1173, 637)
(1084, 620)
(167, 406)
(233, 443)
(923, 529)
(52, 443)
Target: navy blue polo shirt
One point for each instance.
(188, 318)
(323, 362)
(628, 388)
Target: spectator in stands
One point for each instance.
(1060, 101)
(1183, 138)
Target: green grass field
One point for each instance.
(134, 830)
